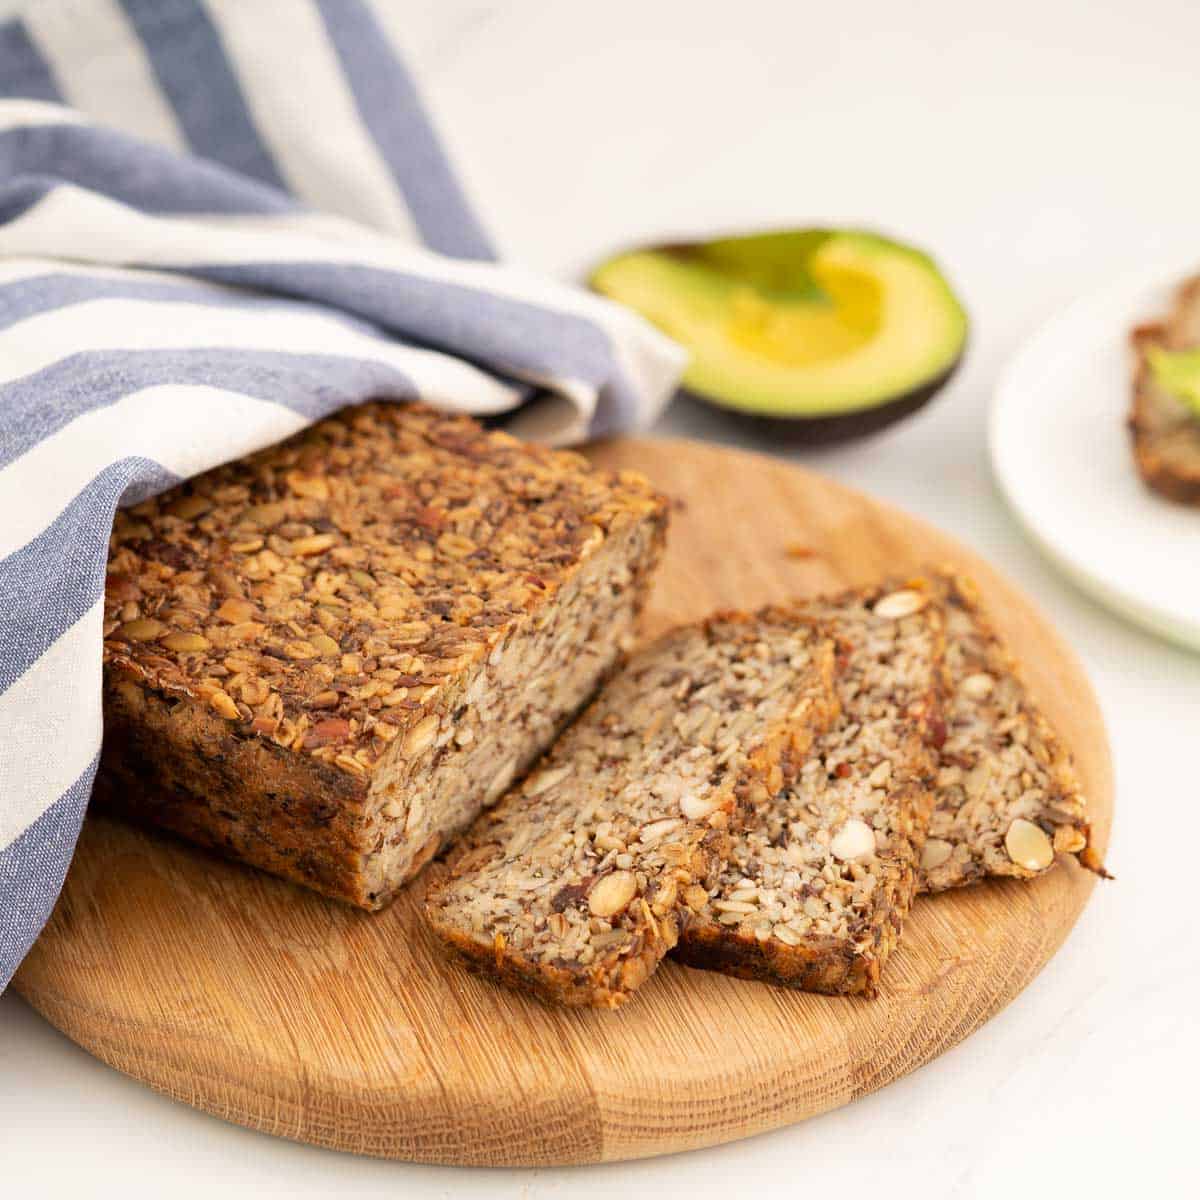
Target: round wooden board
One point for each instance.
(279, 1010)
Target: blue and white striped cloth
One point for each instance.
(219, 221)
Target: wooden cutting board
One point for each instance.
(271, 1007)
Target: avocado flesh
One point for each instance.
(810, 324)
(1177, 372)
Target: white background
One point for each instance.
(1037, 148)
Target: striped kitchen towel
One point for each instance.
(219, 221)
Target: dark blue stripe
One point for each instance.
(33, 867)
(21, 195)
(192, 69)
(313, 385)
(47, 585)
(23, 70)
(394, 116)
(43, 293)
(507, 336)
(123, 168)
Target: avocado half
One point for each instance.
(825, 333)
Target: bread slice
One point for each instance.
(323, 659)
(819, 882)
(1165, 430)
(578, 883)
(1007, 799)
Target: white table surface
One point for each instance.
(1037, 149)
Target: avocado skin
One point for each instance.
(800, 430)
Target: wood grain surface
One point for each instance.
(274, 1008)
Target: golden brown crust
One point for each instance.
(184, 769)
(286, 633)
(833, 970)
(319, 594)
(1165, 432)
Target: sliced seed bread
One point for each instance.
(817, 885)
(1007, 798)
(1165, 430)
(579, 881)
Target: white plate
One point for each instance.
(1061, 454)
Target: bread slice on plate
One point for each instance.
(1007, 799)
(1165, 429)
(818, 884)
(580, 880)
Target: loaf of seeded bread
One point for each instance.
(578, 883)
(325, 659)
(1165, 430)
(1007, 799)
(817, 885)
